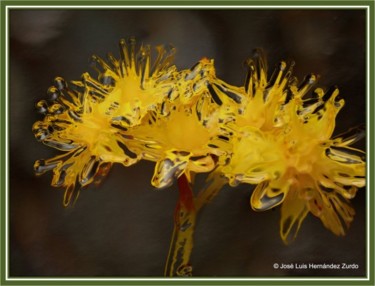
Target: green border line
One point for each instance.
(2, 147)
(86, 4)
(370, 127)
(198, 3)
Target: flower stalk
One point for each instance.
(178, 260)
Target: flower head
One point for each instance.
(88, 119)
(135, 85)
(74, 124)
(183, 134)
(282, 142)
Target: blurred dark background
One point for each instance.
(123, 227)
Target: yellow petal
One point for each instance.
(167, 170)
(269, 194)
(293, 212)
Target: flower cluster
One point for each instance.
(272, 132)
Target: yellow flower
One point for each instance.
(85, 119)
(73, 124)
(320, 180)
(282, 142)
(134, 84)
(269, 132)
(183, 135)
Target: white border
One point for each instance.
(367, 8)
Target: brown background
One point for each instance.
(123, 227)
